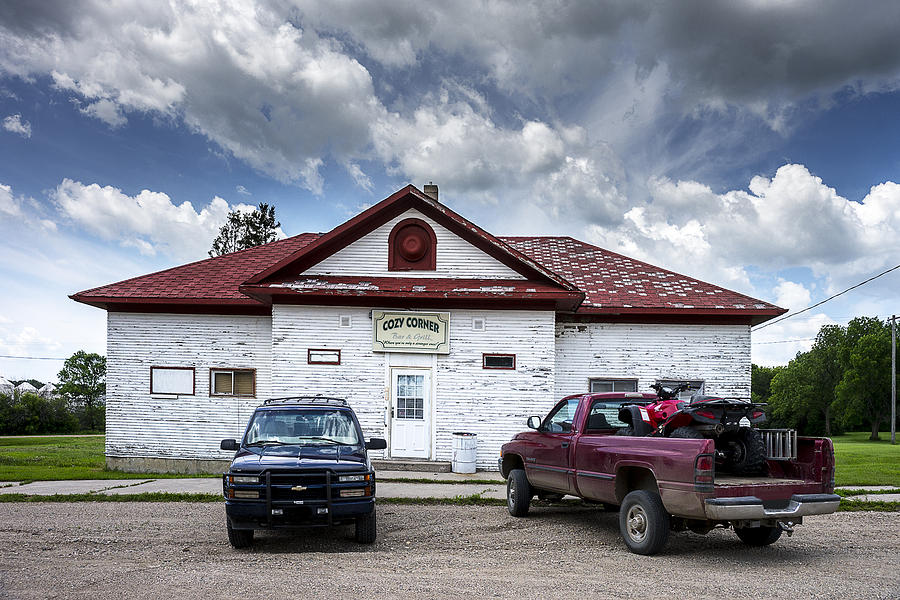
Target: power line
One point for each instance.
(853, 287)
(785, 341)
(30, 357)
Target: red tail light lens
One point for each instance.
(705, 414)
(757, 414)
(705, 463)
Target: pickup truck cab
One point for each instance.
(301, 463)
(659, 483)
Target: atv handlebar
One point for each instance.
(666, 393)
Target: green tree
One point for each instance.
(82, 381)
(864, 391)
(244, 230)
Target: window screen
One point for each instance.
(498, 361)
(233, 383)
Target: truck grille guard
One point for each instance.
(282, 484)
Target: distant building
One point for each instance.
(48, 390)
(26, 387)
(426, 323)
(6, 387)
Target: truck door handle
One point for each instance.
(565, 444)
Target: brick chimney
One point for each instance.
(431, 190)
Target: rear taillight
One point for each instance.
(705, 414)
(756, 414)
(704, 473)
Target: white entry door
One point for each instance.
(411, 410)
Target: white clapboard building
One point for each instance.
(427, 325)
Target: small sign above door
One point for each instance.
(425, 332)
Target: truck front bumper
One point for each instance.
(745, 508)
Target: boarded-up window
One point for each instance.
(172, 380)
(322, 356)
(233, 382)
(498, 361)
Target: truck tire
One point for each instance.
(518, 493)
(239, 538)
(687, 433)
(745, 453)
(365, 528)
(759, 536)
(644, 522)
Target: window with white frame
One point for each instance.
(323, 356)
(232, 382)
(344, 321)
(172, 380)
(600, 385)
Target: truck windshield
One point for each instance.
(304, 427)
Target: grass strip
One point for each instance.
(440, 481)
(97, 497)
(846, 492)
(868, 505)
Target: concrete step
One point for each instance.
(410, 464)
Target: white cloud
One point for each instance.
(148, 221)
(8, 204)
(107, 111)
(792, 296)
(15, 124)
(790, 220)
(242, 190)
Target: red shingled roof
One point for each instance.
(214, 280)
(613, 281)
(560, 271)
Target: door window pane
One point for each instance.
(411, 397)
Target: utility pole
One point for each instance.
(893, 379)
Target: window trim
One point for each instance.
(614, 380)
(485, 366)
(213, 370)
(668, 381)
(310, 361)
(193, 380)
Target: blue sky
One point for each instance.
(749, 144)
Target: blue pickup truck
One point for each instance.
(302, 462)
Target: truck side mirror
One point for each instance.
(376, 444)
(534, 422)
(229, 445)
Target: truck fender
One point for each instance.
(634, 477)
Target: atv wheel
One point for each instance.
(644, 522)
(239, 538)
(518, 493)
(626, 431)
(745, 453)
(759, 536)
(686, 432)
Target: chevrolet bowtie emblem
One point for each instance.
(298, 488)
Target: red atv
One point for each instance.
(728, 421)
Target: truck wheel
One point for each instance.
(518, 493)
(644, 522)
(745, 453)
(239, 538)
(365, 528)
(686, 432)
(626, 431)
(759, 536)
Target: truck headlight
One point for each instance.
(349, 478)
(242, 479)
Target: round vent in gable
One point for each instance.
(412, 246)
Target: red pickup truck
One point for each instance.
(658, 483)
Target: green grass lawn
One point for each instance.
(58, 458)
(861, 462)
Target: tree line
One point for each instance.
(76, 405)
(842, 383)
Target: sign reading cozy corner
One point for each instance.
(411, 332)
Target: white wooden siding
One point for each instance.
(491, 403)
(359, 378)
(717, 354)
(456, 258)
(182, 426)
(494, 404)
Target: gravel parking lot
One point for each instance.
(180, 550)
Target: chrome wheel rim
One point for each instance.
(637, 523)
(511, 494)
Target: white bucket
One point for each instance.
(464, 452)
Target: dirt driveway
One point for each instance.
(174, 550)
